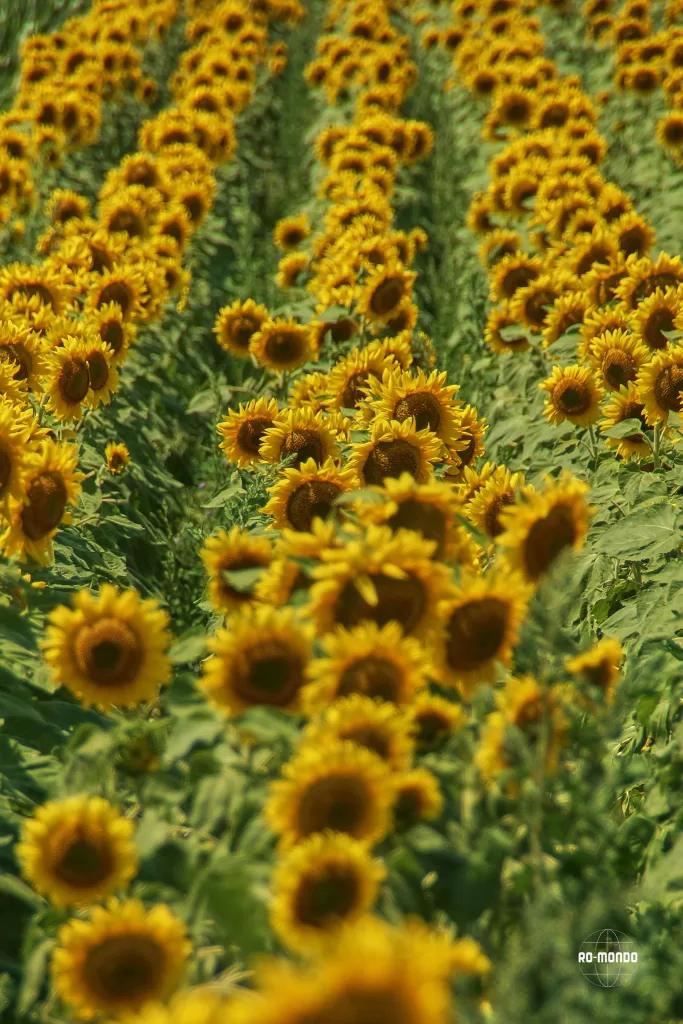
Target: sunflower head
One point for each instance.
(225, 556)
(281, 344)
(378, 726)
(117, 456)
(308, 492)
(626, 405)
(243, 430)
(572, 395)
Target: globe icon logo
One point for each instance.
(608, 958)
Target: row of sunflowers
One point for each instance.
(388, 725)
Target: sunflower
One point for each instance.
(633, 233)
(291, 270)
(498, 244)
(124, 285)
(596, 323)
(599, 666)
(379, 726)
(244, 430)
(119, 959)
(402, 394)
(351, 374)
(670, 132)
(500, 490)
(117, 456)
(470, 430)
(625, 405)
(11, 387)
(64, 204)
(569, 309)
(281, 344)
(480, 626)
(643, 277)
(16, 429)
(202, 1004)
(306, 492)
(23, 348)
(531, 306)
(229, 553)
(660, 384)
(384, 290)
(109, 649)
(511, 273)
(68, 380)
(538, 530)
(108, 323)
(418, 798)
(50, 483)
(300, 434)
(344, 787)
(77, 851)
(290, 232)
(429, 509)
(259, 660)
(573, 395)
(378, 577)
(395, 448)
(326, 881)
(617, 357)
(433, 720)
(655, 315)
(502, 332)
(20, 282)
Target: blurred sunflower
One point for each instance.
(617, 357)
(20, 282)
(656, 315)
(326, 881)
(301, 435)
(290, 232)
(384, 290)
(281, 344)
(68, 380)
(119, 959)
(625, 405)
(24, 349)
(599, 666)
(124, 285)
(109, 649)
(643, 277)
(572, 395)
(307, 492)
(402, 394)
(291, 270)
(470, 430)
(117, 456)
(77, 851)
(379, 726)
(343, 787)
(243, 431)
(500, 490)
(418, 798)
(660, 384)
(16, 426)
(502, 332)
(109, 324)
(393, 449)
(228, 553)
(434, 719)
(259, 659)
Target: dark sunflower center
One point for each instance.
(658, 321)
(634, 411)
(387, 295)
(518, 277)
(529, 713)
(311, 499)
(109, 652)
(271, 673)
(293, 237)
(650, 284)
(237, 566)
(633, 241)
(343, 329)
(99, 371)
(194, 204)
(673, 133)
(303, 444)
(352, 394)
(423, 518)
(492, 526)
(668, 388)
(403, 601)
(572, 397)
(538, 306)
(408, 808)
(476, 632)
(516, 113)
(250, 434)
(117, 292)
(283, 348)
(67, 211)
(5, 468)
(596, 254)
(368, 1004)
(598, 675)
(367, 736)
(390, 459)
(424, 407)
(128, 221)
(45, 503)
(100, 261)
(547, 538)
(332, 895)
(372, 676)
(32, 290)
(618, 368)
(112, 335)
(143, 174)
(74, 381)
(607, 287)
(84, 863)
(431, 726)
(124, 969)
(467, 454)
(338, 802)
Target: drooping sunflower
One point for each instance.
(500, 490)
(401, 394)
(124, 285)
(384, 290)
(434, 719)
(660, 384)
(307, 492)
(281, 344)
(379, 726)
(572, 395)
(599, 666)
(378, 577)
(617, 357)
(77, 851)
(395, 448)
(326, 881)
(418, 798)
(109, 324)
(243, 431)
(377, 662)
(291, 270)
(51, 482)
(655, 315)
(343, 787)
(117, 455)
(16, 428)
(109, 649)
(259, 659)
(290, 232)
(502, 332)
(24, 349)
(569, 309)
(233, 552)
(480, 626)
(470, 430)
(68, 380)
(119, 959)
(625, 405)
(551, 521)
(301, 434)
(236, 324)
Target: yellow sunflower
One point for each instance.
(351, 374)
(119, 959)
(643, 277)
(77, 851)
(595, 324)
(281, 344)
(117, 455)
(290, 232)
(572, 395)
(655, 315)
(343, 787)
(51, 483)
(379, 726)
(307, 492)
(236, 324)
(513, 272)
(427, 399)
(500, 490)
(16, 427)
(502, 332)
(384, 290)
(625, 405)
(109, 649)
(434, 719)
(568, 310)
(20, 282)
(325, 882)
(243, 431)
(378, 662)
(290, 271)
(480, 627)
(12, 387)
(229, 553)
(299, 434)
(24, 349)
(104, 377)
(536, 531)
(599, 666)
(395, 448)
(124, 285)
(617, 357)
(418, 798)
(470, 429)
(660, 384)
(68, 380)
(109, 324)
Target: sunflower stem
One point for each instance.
(535, 841)
(594, 445)
(655, 446)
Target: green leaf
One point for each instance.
(151, 834)
(35, 972)
(186, 733)
(627, 428)
(10, 885)
(188, 649)
(224, 496)
(645, 533)
(230, 894)
(243, 580)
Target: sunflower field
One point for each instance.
(341, 510)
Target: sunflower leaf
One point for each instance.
(626, 428)
(224, 496)
(242, 580)
(655, 530)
